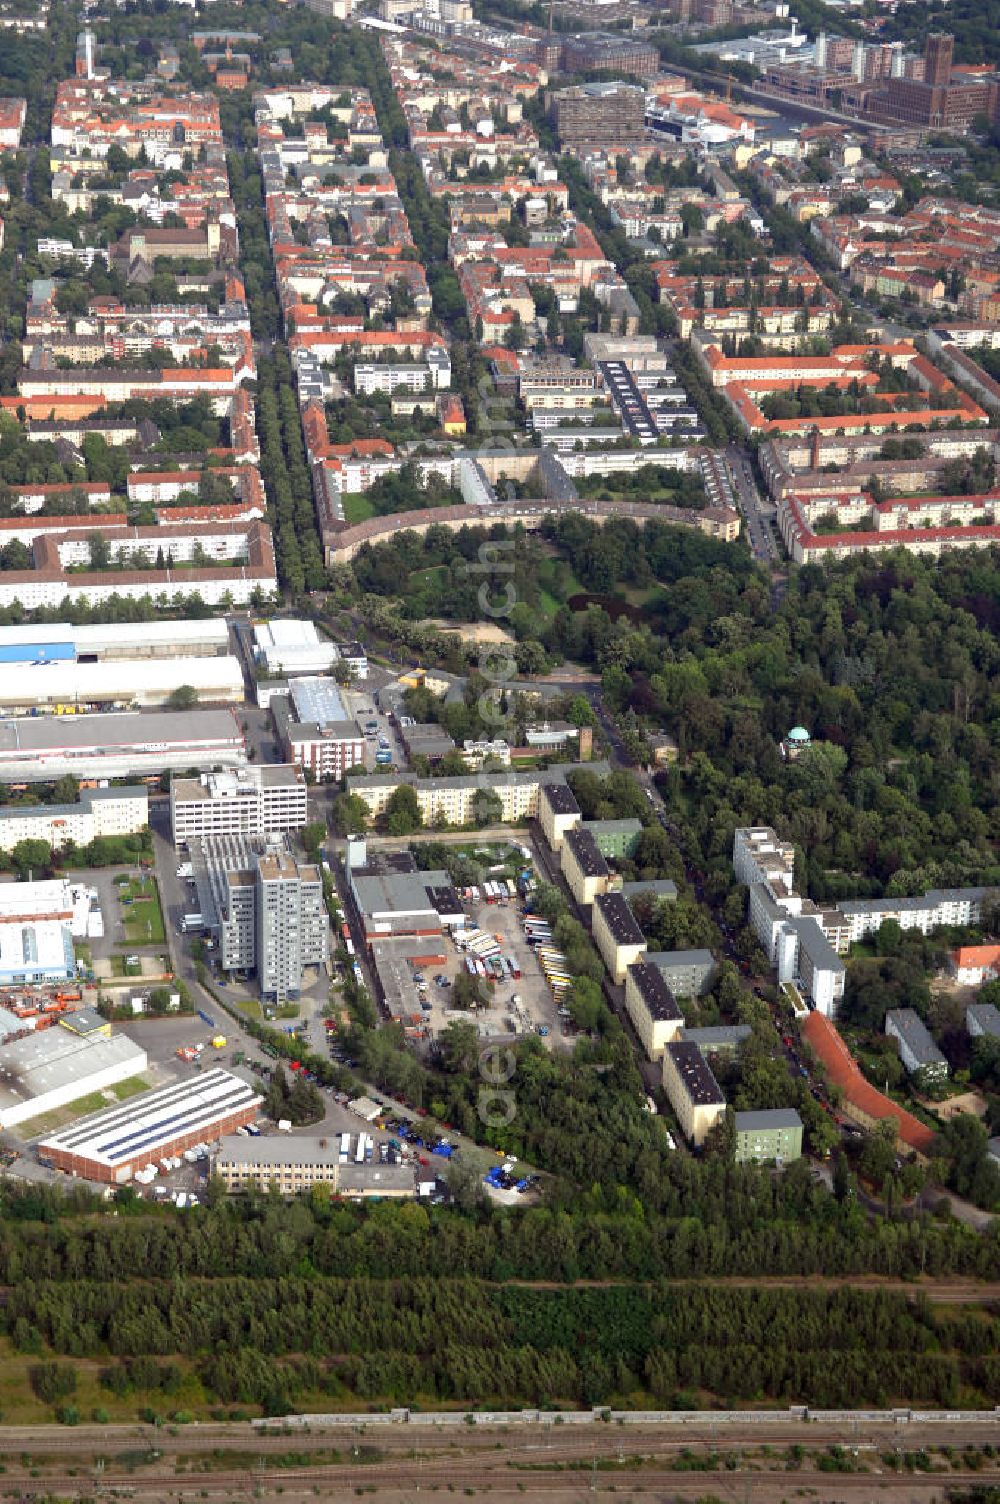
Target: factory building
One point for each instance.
(50, 1068)
(110, 1146)
(98, 812)
(287, 646)
(254, 801)
(42, 748)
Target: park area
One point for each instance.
(142, 917)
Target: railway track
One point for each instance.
(409, 1478)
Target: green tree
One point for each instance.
(402, 813)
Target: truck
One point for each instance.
(191, 922)
(359, 1153)
(345, 1148)
(206, 1018)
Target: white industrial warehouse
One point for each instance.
(39, 748)
(118, 683)
(34, 641)
(53, 1067)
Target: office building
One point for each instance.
(292, 1163)
(266, 911)
(315, 728)
(608, 115)
(253, 801)
(652, 1007)
(941, 99)
(773, 1136)
(917, 1049)
(692, 1090)
(291, 924)
(109, 1146)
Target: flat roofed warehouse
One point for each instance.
(90, 643)
(127, 681)
(52, 1067)
(110, 1146)
(37, 749)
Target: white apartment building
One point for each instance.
(99, 812)
(252, 801)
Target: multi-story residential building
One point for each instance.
(558, 812)
(652, 1008)
(983, 1020)
(254, 801)
(773, 1136)
(458, 800)
(917, 1049)
(692, 1090)
(688, 973)
(616, 933)
(586, 872)
(110, 812)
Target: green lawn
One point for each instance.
(143, 918)
(50, 1122)
(357, 507)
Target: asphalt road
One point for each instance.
(748, 501)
